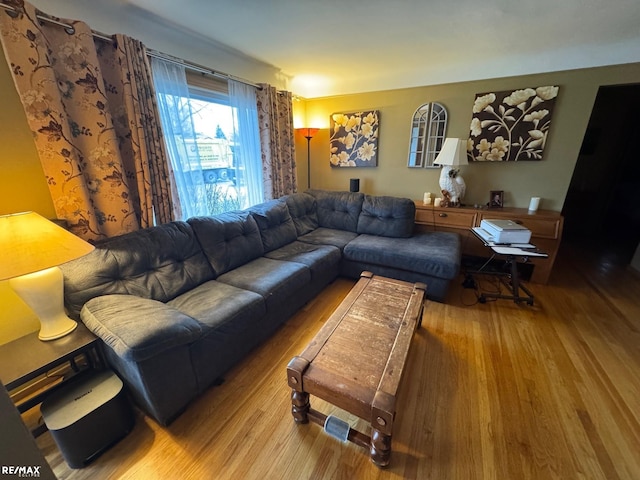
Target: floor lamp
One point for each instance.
(308, 134)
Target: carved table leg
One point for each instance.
(382, 416)
(300, 406)
(380, 448)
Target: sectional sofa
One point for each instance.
(177, 305)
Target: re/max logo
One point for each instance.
(21, 471)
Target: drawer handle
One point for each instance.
(442, 215)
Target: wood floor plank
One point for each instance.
(490, 391)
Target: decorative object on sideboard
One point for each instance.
(308, 133)
(446, 200)
(426, 198)
(354, 139)
(428, 131)
(33, 248)
(511, 126)
(354, 185)
(534, 204)
(496, 199)
(452, 155)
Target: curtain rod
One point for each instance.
(198, 68)
(150, 52)
(68, 28)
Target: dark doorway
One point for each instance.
(602, 207)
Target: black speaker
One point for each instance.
(354, 185)
(87, 416)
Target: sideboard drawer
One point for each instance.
(542, 228)
(424, 216)
(450, 218)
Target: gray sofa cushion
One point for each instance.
(328, 236)
(302, 208)
(339, 210)
(160, 263)
(387, 216)
(319, 258)
(229, 240)
(275, 224)
(138, 328)
(275, 280)
(434, 253)
(221, 307)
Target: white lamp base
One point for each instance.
(43, 292)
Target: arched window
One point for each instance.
(428, 130)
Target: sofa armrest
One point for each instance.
(138, 328)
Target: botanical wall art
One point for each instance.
(511, 126)
(354, 139)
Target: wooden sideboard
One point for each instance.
(545, 225)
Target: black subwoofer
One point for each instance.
(87, 416)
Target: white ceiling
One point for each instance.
(332, 47)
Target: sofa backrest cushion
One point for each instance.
(229, 240)
(339, 210)
(387, 216)
(302, 208)
(158, 263)
(275, 223)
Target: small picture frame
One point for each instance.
(496, 199)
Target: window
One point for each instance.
(206, 142)
(428, 129)
(212, 144)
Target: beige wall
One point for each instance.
(548, 178)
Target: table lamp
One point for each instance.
(452, 154)
(32, 248)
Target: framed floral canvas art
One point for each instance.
(354, 139)
(511, 126)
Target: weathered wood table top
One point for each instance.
(356, 360)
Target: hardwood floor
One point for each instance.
(492, 391)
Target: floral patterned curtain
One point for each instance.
(275, 119)
(91, 108)
(139, 130)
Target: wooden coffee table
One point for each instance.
(356, 360)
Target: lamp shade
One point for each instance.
(308, 132)
(453, 152)
(30, 243)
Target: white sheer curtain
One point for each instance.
(197, 197)
(247, 148)
(172, 92)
